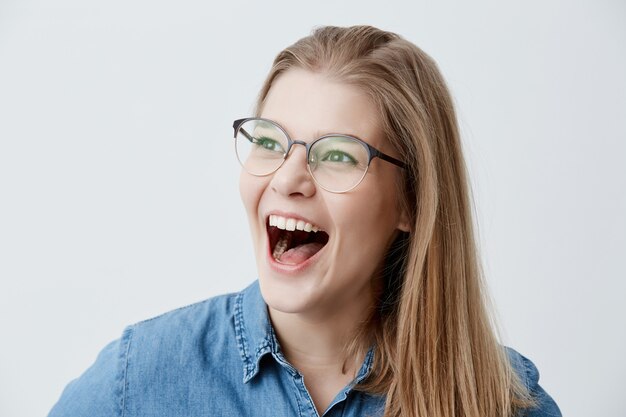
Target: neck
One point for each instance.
(317, 340)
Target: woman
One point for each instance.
(369, 299)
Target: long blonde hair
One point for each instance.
(436, 354)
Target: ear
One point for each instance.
(404, 224)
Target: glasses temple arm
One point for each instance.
(248, 136)
(390, 159)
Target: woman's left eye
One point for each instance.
(338, 156)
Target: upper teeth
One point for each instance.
(288, 223)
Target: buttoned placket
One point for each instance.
(305, 401)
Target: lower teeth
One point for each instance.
(282, 246)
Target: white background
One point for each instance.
(118, 182)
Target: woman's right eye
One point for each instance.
(269, 144)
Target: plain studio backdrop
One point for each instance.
(119, 185)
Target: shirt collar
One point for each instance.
(256, 337)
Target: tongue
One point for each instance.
(300, 253)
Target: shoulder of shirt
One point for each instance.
(181, 338)
(529, 376)
(523, 367)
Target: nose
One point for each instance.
(292, 178)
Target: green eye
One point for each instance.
(269, 144)
(338, 156)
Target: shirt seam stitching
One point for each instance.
(240, 329)
(125, 378)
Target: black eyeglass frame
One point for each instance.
(371, 151)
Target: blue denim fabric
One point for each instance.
(219, 357)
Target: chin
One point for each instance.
(285, 295)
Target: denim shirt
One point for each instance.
(220, 357)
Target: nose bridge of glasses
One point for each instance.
(299, 142)
(293, 171)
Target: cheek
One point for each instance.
(366, 227)
(362, 220)
(370, 218)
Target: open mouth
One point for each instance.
(293, 241)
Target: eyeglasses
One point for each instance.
(336, 162)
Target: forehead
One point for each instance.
(308, 105)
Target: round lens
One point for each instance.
(261, 146)
(338, 163)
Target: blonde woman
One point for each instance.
(369, 299)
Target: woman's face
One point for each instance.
(317, 278)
